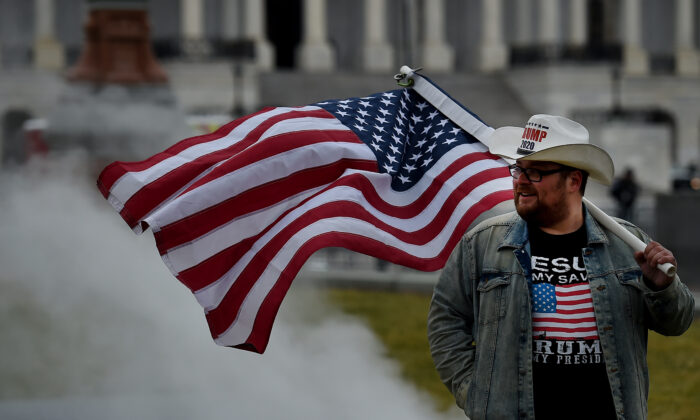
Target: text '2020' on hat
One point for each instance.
(556, 139)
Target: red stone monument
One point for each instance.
(117, 45)
(117, 104)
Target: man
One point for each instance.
(624, 190)
(543, 313)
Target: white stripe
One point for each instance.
(573, 298)
(197, 251)
(210, 297)
(138, 229)
(257, 173)
(558, 334)
(536, 315)
(190, 254)
(131, 182)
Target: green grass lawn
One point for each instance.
(399, 319)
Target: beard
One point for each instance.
(542, 213)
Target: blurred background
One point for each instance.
(92, 323)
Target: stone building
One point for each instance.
(629, 69)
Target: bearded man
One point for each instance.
(543, 313)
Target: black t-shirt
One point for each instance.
(569, 376)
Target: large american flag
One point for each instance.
(236, 213)
(563, 312)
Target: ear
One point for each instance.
(574, 181)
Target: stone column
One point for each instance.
(687, 59)
(687, 135)
(578, 19)
(255, 31)
(377, 53)
(548, 27)
(315, 54)
(194, 44)
(436, 53)
(230, 20)
(493, 54)
(635, 61)
(523, 23)
(48, 52)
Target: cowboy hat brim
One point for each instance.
(505, 140)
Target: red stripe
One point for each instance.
(260, 334)
(278, 144)
(153, 194)
(574, 293)
(116, 170)
(258, 339)
(213, 268)
(220, 214)
(220, 318)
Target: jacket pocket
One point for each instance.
(631, 278)
(632, 291)
(492, 292)
(492, 298)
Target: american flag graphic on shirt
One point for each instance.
(563, 312)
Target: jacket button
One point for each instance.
(607, 328)
(613, 370)
(601, 287)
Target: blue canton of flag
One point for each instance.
(545, 300)
(406, 134)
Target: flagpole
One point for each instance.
(635, 243)
(481, 132)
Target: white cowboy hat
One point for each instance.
(553, 139)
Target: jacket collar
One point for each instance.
(516, 236)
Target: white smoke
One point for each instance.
(92, 325)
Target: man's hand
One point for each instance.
(653, 255)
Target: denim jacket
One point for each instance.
(480, 323)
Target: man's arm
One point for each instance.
(450, 324)
(670, 303)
